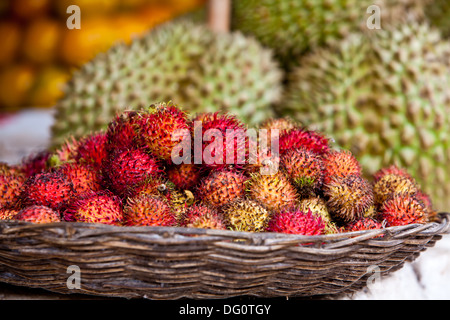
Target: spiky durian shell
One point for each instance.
(179, 61)
(438, 14)
(246, 215)
(293, 27)
(385, 98)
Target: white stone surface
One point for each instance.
(426, 278)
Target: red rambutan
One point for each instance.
(201, 216)
(92, 149)
(221, 187)
(402, 209)
(7, 213)
(298, 138)
(38, 214)
(340, 164)
(184, 176)
(51, 189)
(129, 167)
(95, 207)
(224, 138)
(296, 222)
(83, 177)
(121, 132)
(148, 210)
(393, 169)
(10, 188)
(35, 163)
(162, 128)
(304, 168)
(362, 224)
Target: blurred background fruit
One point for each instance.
(38, 53)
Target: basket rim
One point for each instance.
(255, 238)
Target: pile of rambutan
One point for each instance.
(160, 166)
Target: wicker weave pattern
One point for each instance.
(171, 263)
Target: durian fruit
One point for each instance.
(293, 27)
(178, 61)
(438, 13)
(385, 98)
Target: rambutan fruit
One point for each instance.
(121, 131)
(95, 207)
(393, 169)
(161, 128)
(265, 163)
(221, 187)
(296, 222)
(299, 137)
(180, 201)
(224, 140)
(38, 214)
(148, 210)
(201, 216)
(92, 149)
(152, 184)
(340, 164)
(8, 213)
(402, 209)
(273, 191)
(349, 198)
(207, 222)
(305, 170)
(125, 168)
(391, 184)
(195, 211)
(67, 152)
(35, 163)
(184, 176)
(283, 125)
(362, 224)
(11, 184)
(318, 207)
(83, 177)
(246, 215)
(51, 189)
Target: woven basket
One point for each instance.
(172, 262)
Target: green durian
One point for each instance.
(438, 14)
(386, 98)
(195, 68)
(293, 27)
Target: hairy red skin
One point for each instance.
(83, 177)
(126, 168)
(184, 176)
(95, 207)
(393, 169)
(162, 130)
(298, 138)
(38, 214)
(92, 149)
(51, 189)
(296, 222)
(362, 224)
(35, 163)
(403, 209)
(340, 164)
(121, 132)
(213, 123)
(221, 187)
(148, 210)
